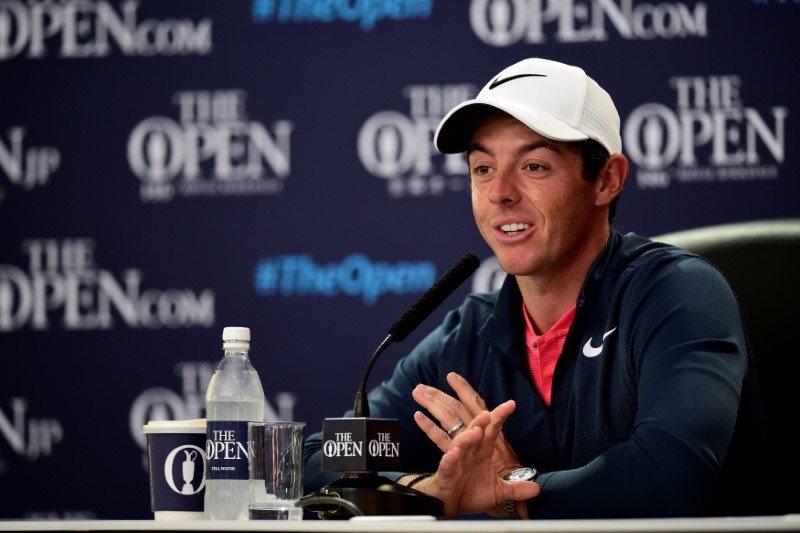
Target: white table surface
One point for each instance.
(392, 524)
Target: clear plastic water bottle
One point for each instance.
(234, 398)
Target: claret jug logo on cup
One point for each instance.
(185, 470)
(177, 465)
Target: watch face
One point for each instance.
(522, 474)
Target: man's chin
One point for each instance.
(515, 268)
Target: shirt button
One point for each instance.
(535, 344)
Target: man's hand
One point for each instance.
(450, 411)
(468, 480)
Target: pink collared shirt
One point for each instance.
(544, 350)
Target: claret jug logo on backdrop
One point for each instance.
(399, 147)
(63, 286)
(213, 149)
(708, 136)
(24, 164)
(503, 23)
(87, 28)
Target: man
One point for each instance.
(613, 367)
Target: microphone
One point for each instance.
(346, 439)
(434, 296)
(414, 316)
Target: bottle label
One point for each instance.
(226, 448)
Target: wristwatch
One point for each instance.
(525, 473)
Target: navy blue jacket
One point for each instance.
(640, 429)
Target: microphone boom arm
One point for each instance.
(361, 405)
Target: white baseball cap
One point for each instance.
(555, 100)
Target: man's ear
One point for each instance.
(612, 179)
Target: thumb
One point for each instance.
(520, 490)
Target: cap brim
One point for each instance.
(455, 130)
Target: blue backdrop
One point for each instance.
(171, 168)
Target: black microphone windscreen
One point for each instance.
(434, 296)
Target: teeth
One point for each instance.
(512, 229)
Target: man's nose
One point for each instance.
(504, 189)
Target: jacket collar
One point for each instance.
(505, 326)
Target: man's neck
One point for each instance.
(548, 297)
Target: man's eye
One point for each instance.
(534, 167)
(481, 170)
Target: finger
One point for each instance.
(501, 413)
(439, 401)
(435, 433)
(446, 409)
(468, 396)
(451, 465)
(504, 457)
(473, 441)
(519, 490)
(482, 420)
(448, 466)
(498, 417)
(469, 439)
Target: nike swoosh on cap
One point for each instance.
(499, 81)
(591, 351)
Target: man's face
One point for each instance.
(530, 202)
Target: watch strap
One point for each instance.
(518, 474)
(510, 507)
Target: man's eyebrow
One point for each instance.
(478, 147)
(525, 148)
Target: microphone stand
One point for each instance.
(371, 493)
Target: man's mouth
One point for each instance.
(513, 229)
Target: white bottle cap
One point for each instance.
(236, 334)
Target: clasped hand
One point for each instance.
(476, 456)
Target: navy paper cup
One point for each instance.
(177, 464)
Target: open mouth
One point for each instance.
(515, 228)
